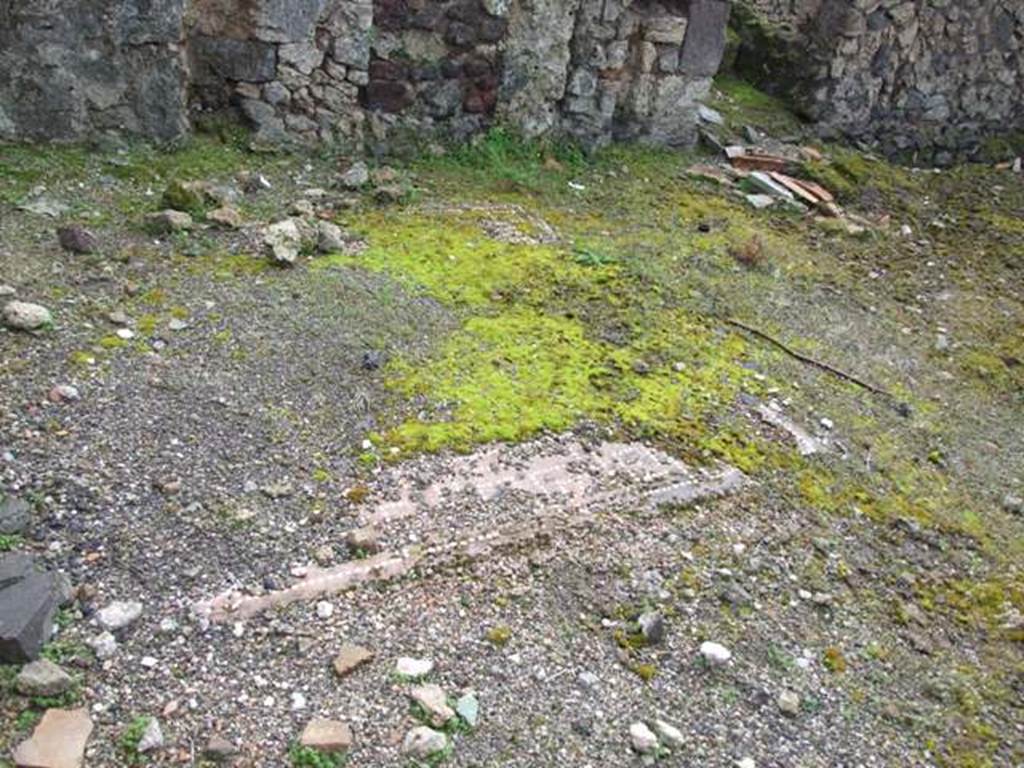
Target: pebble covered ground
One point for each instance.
(194, 419)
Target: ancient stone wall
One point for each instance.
(71, 67)
(355, 70)
(930, 77)
(594, 69)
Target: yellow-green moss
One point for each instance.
(527, 357)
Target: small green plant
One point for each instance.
(27, 719)
(645, 672)
(587, 257)
(9, 542)
(499, 636)
(307, 757)
(128, 744)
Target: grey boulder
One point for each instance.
(29, 599)
(15, 515)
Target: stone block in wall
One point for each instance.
(286, 21)
(216, 59)
(149, 23)
(304, 56)
(665, 30)
(673, 110)
(388, 95)
(705, 38)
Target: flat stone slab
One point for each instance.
(57, 742)
(326, 736)
(500, 496)
(350, 658)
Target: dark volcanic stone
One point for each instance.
(77, 239)
(29, 598)
(386, 96)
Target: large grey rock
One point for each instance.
(29, 599)
(42, 678)
(15, 515)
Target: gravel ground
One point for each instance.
(222, 448)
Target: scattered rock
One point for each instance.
(669, 734)
(15, 515)
(7, 290)
(357, 176)
(1013, 504)
(218, 748)
(152, 738)
(57, 742)
(709, 115)
(326, 736)
(760, 201)
(226, 216)
(789, 703)
(22, 316)
(350, 658)
(390, 193)
(167, 222)
(588, 679)
(119, 318)
(331, 238)
(304, 209)
(63, 393)
(253, 182)
(119, 615)
(422, 742)
(468, 708)
(714, 654)
(76, 239)
(407, 667)
(373, 359)
(29, 598)
(385, 174)
(642, 738)
(279, 490)
(42, 678)
(103, 645)
(169, 486)
(363, 540)
(324, 555)
(652, 626)
(324, 609)
(435, 702)
(282, 242)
